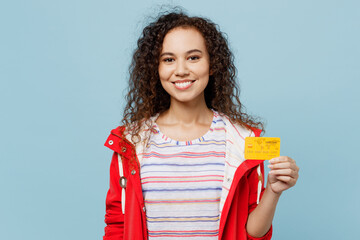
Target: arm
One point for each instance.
(283, 175)
(114, 218)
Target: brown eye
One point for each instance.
(168, 60)
(192, 58)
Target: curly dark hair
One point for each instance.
(147, 97)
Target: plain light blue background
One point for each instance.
(63, 71)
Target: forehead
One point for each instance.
(182, 39)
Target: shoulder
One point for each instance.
(119, 130)
(134, 133)
(241, 129)
(115, 138)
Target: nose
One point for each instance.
(181, 69)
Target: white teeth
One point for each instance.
(183, 84)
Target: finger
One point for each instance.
(274, 174)
(283, 165)
(284, 172)
(287, 179)
(281, 159)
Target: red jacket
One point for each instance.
(241, 197)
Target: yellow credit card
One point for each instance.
(262, 148)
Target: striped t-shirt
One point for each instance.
(182, 183)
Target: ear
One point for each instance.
(211, 72)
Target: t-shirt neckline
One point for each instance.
(196, 140)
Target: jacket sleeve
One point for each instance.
(253, 180)
(114, 218)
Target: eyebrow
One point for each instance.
(188, 52)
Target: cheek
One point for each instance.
(204, 71)
(164, 73)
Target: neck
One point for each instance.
(188, 112)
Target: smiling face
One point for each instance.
(184, 65)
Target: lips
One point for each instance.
(183, 84)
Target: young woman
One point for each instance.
(178, 169)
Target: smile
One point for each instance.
(182, 85)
